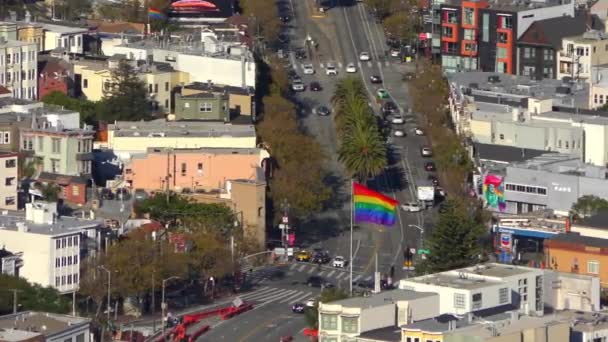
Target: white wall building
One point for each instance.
(69, 38)
(52, 246)
(18, 68)
(580, 53)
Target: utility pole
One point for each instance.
(109, 290)
(163, 305)
(284, 226)
(15, 299)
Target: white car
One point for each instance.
(310, 303)
(426, 152)
(418, 131)
(297, 85)
(395, 53)
(351, 68)
(398, 120)
(330, 70)
(412, 207)
(364, 56)
(308, 69)
(339, 261)
(398, 133)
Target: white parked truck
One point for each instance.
(426, 195)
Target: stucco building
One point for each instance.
(580, 53)
(18, 68)
(241, 101)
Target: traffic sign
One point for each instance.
(423, 251)
(285, 219)
(413, 250)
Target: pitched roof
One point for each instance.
(50, 65)
(576, 238)
(117, 26)
(549, 32)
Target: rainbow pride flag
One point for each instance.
(374, 207)
(155, 13)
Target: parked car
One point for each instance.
(398, 133)
(106, 194)
(389, 107)
(375, 79)
(418, 131)
(434, 180)
(308, 69)
(310, 303)
(429, 166)
(330, 70)
(440, 192)
(364, 56)
(303, 256)
(322, 111)
(285, 19)
(339, 261)
(315, 86)
(300, 53)
(298, 308)
(283, 38)
(351, 68)
(412, 207)
(395, 53)
(297, 85)
(426, 152)
(398, 119)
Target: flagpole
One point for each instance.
(352, 205)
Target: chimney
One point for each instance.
(28, 17)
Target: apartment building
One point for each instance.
(94, 75)
(34, 326)
(53, 246)
(202, 106)
(482, 35)
(129, 138)
(18, 68)
(68, 38)
(9, 181)
(25, 31)
(580, 53)
(55, 74)
(241, 101)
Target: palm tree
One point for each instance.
(353, 113)
(348, 90)
(363, 152)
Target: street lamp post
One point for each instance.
(163, 305)
(109, 288)
(421, 234)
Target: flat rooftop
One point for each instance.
(163, 128)
(586, 321)
(473, 277)
(478, 330)
(563, 164)
(207, 150)
(216, 88)
(63, 224)
(389, 334)
(382, 298)
(40, 322)
(505, 154)
(531, 223)
(515, 6)
(15, 43)
(194, 47)
(514, 90)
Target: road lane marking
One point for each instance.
(290, 299)
(330, 273)
(357, 277)
(368, 278)
(292, 266)
(339, 275)
(282, 296)
(369, 64)
(321, 273)
(301, 268)
(258, 293)
(265, 297)
(310, 270)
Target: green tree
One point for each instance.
(402, 26)
(455, 241)
(89, 111)
(589, 205)
(327, 296)
(50, 191)
(71, 10)
(127, 97)
(30, 296)
(380, 8)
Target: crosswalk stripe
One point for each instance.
(386, 63)
(359, 64)
(321, 65)
(321, 273)
(255, 293)
(379, 64)
(301, 268)
(281, 296)
(301, 298)
(339, 275)
(368, 278)
(292, 266)
(267, 295)
(357, 277)
(310, 270)
(330, 273)
(291, 297)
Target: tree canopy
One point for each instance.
(455, 240)
(589, 205)
(89, 111)
(30, 296)
(126, 97)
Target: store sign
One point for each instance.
(506, 241)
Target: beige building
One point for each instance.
(343, 320)
(241, 101)
(18, 68)
(24, 31)
(580, 53)
(127, 138)
(52, 246)
(159, 80)
(9, 180)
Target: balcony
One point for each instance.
(450, 51)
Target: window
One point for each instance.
(601, 98)
(503, 295)
(57, 262)
(166, 86)
(548, 54)
(56, 281)
(447, 32)
(502, 137)
(9, 181)
(470, 47)
(70, 241)
(8, 77)
(57, 244)
(10, 200)
(10, 163)
(501, 52)
(75, 277)
(593, 267)
(206, 107)
(70, 260)
(485, 33)
(350, 324)
(5, 138)
(559, 144)
(166, 104)
(56, 145)
(505, 22)
(75, 190)
(85, 83)
(459, 300)
(184, 169)
(567, 144)
(502, 38)
(75, 258)
(199, 167)
(79, 41)
(69, 282)
(63, 261)
(468, 16)
(150, 88)
(548, 72)
(76, 240)
(8, 58)
(329, 322)
(28, 143)
(55, 165)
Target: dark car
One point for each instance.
(434, 180)
(298, 308)
(285, 19)
(300, 54)
(315, 281)
(389, 107)
(320, 257)
(123, 194)
(283, 38)
(375, 79)
(107, 194)
(323, 111)
(429, 166)
(315, 86)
